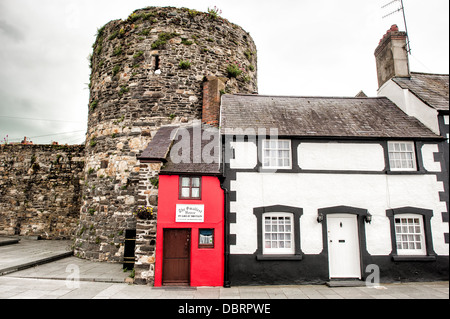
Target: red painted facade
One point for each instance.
(206, 264)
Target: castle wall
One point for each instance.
(148, 71)
(40, 190)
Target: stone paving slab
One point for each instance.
(27, 253)
(71, 268)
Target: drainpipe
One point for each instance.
(226, 230)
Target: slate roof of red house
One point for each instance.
(201, 158)
(158, 148)
(432, 89)
(320, 117)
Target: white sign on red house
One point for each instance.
(190, 213)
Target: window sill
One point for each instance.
(413, 258)
(279, 257)
(399, 172)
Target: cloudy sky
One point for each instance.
(305, 47)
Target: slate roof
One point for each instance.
(319, 117)
(432, 89)
(160, 144)
(175, 146)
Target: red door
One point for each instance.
(176, 257)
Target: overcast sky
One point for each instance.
(305, 48)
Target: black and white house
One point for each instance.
(422, 95)
(321, 188)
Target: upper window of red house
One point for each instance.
(190, 187)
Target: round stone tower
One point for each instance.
(147, 71)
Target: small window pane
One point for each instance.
(196, 192)
(185, 192)
(185, 181)
(196, 182)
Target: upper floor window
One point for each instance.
(402, 156)
(190, 187)
(276, 154)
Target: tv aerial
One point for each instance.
(399, 7)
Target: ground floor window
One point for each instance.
(206, 238)
(409, 234)
(278, 233)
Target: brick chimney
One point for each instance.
(212, 86)
(391, 56)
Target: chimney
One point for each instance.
(212, 87)
(391, 56)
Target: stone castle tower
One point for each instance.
(148, 71)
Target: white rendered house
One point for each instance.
(328, 188)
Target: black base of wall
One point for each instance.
(313, 269)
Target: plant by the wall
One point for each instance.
(162, 39)
(234, 70)
(93, 105)
(186, 41)
(214, 13)
(117, 51)
(123, 89)
(184, 65)
(115, 70)
(138, 54)
(144, 212)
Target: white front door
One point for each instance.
(343, 246)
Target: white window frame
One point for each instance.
(283, 232)
(400, 153)
(407, 232)
(274, 146)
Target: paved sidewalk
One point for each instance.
(49, 274)
(13, 287)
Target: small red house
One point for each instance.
(190, 219)
(189, 240)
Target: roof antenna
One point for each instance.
(402, 9)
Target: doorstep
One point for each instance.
(346, 283)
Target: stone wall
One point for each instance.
(40, 190)
(147, 71)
